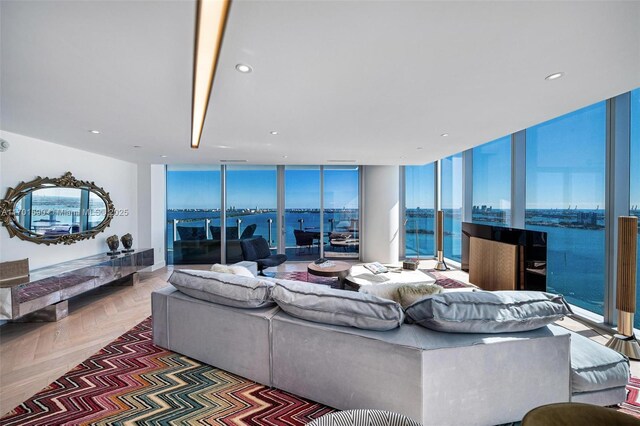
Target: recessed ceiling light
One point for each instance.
(95, 132)
(244, 68)
(444, 135)
(285, 156)
(419, 147)
(274, 132)
(223, 146)
(554, 76)
(163, 156)
(137, 146)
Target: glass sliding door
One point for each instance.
(251, 207)
(302, 232)
(635, 174)
(451, 198)
(492, 183)
(565, 197)
(193, 213)
(419, 210)
(341, 211)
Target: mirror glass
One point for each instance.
(56, 211)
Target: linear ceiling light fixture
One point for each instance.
(554, 76)
(211, 19)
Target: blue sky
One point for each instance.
(566, 160)
(256, 187)
(492, 174)
(419, 186)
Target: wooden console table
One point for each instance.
(43, 295)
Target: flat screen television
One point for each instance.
(532, 251)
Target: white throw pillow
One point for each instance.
(241, 271)
(223, 269)
(232, 269)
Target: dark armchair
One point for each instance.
(305, 239)
(257, 250)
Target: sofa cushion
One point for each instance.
(595, 367)
(488, 311)
(324, 304)
(225, 289)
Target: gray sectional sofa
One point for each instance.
(433, 377)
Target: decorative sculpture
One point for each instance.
(127, 243)
(113, 244)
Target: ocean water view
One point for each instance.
(266, 222)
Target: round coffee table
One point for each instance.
(336, 269)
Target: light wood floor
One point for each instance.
(32, 355)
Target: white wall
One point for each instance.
(381, 214)
(152, 210)
(28, 157)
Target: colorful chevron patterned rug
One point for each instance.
(132, 381)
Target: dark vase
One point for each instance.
(127, 243)
(113, 242)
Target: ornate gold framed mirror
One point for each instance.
(61, 210)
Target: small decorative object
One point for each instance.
(113, 244)
(127, 243)
(410, 265)
(625, 341)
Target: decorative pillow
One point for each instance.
(232, 269)
(241, 271)
(402, 293)
(225, 289)
(488, 311)
(386, 291)
(223, 269)
(326, 305)
(409, 294)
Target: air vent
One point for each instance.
(233, 161)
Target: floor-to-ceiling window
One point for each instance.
(451, 198)
(302, 212)
(492, 183)
(341, 211)
(565, 180)
(635, 173)
(193, 214)
(251, 207)
(419, 199)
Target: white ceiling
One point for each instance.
(346, 80)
